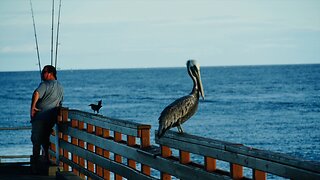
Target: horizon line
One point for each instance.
(164, 67)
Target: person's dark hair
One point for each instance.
(51, 69)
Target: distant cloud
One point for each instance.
(16, 49)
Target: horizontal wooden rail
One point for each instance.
(125, 127)
(15, 128)
(266, 161)
(87, 141)
(95, 146)
(111, 165)
(149, 156)
(14, 157)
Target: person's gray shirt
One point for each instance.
(50, 97)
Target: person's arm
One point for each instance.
(33, 109)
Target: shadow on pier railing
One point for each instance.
(97, 147)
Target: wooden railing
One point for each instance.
(97, 147)
(92, 145)
(238, 156)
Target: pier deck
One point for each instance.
(22, 171)
(19, 171)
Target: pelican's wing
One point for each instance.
(179, 109)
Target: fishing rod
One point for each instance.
(35, 36)
(57, 38)
(52, 31)
(52, 21)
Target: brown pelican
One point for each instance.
(183, 108)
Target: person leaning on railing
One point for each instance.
(45, 102)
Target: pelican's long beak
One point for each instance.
(194, 72)
(200, 85)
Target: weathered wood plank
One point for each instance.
(156, 162)
(98, 151)
(74, 141)
(106, 144)
(210, 164)
(105, 121)
(240, 149)
(165, 153)
(275, 157)
(106, 154)
(13, 156)
(81, 144)
(229, 152)
(113, 166)
(236, 171)
(131, 141)
(63, 175)
(81, 169)
(259, 160)
(192, 139)
(217, 153)
(90, 147)
(259, 175)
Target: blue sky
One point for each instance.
(99, 34)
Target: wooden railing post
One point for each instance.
(106, 154)
(165, 152)
(53, 146)
(145, 142)
(90, 147)
(99, 152)
(59, 150)
(65, 137)
(184, 157)
(117, 158)
(131, 141)
(54, 133)
(81, 144)
(259, 175)
(236, 171)
(74, 141)
(210, 164)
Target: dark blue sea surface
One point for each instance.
(267, 107)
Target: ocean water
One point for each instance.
(273, 108)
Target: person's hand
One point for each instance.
(34, 112)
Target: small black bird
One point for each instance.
(96, 107)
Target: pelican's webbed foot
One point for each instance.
(180, 130)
